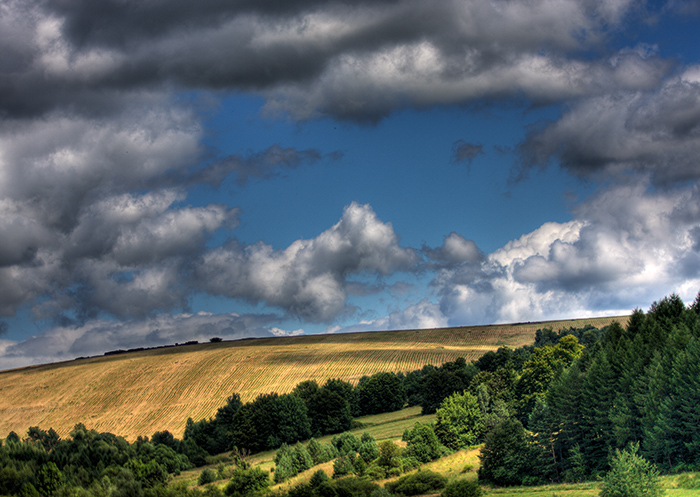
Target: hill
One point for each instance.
(141, 392)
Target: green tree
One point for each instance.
(631, 475)
(422, 444)
(505, 455)
(381, 392)
(459, 421)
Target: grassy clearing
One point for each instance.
(139, 393)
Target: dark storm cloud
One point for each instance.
(655, 132)
(352, 60)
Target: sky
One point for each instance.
(178, 170)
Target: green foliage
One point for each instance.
(631, 475)
(318, 478)
(504, 457)
(423, 443)
(422, 482)
(206, 476)
(247, 481)
(462, 488)
(381, 392)
(269, 421)
(321, 453)
(460, 421)
(355, 487)
(346, 443)
(344, 465)
(369, 451)
(49, 479)
(389, 455)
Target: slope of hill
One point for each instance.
(139, 393)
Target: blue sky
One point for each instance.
(171, 172)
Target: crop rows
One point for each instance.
(142, 392)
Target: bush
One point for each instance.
(318, 478)
(462, 488)
(356, 487)
(344, 465)
(246, 481)
(206, 476)
(631, 475)
(422, 482)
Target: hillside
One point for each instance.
(142, 392)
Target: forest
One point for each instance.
(567, 408)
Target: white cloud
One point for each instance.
(421, 315)
(308, 278)
(627, 247)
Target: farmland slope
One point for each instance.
(139, 393)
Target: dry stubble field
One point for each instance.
(139, 393)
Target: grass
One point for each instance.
(139, 393)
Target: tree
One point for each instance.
(423, 444)
(459, 421)
(381, 392)
(436, 385)
(504, 457)
(631, 475)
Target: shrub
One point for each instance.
(422, 482)
(631, 475)
(318, 478)
(206, 476)
(462, 488)
(246, 481)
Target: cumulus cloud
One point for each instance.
(308, 278)
(654, 132)
(62, 343)
(626, 246)
(455, 249)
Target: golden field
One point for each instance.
(139, 393)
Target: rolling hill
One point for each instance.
(141, 392)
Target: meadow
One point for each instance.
(138, 393)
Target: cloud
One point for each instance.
(264, 165)
(653, 132)
(309, 278)
(95, 337)
(626, 246)
(455, 249)
(359, 60)
(465, 152)
(421, 315)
